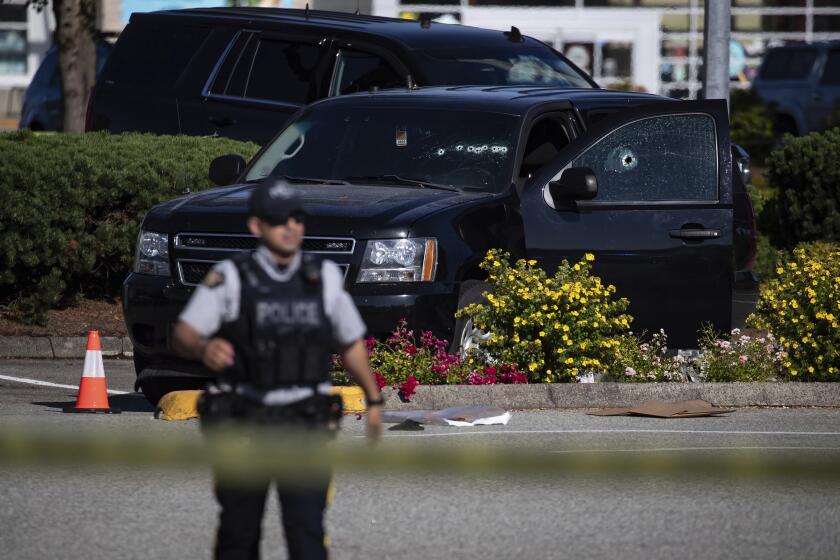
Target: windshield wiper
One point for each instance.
(398, 180)
(313, 180)
(310, 180)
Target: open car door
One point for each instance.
(649, 192)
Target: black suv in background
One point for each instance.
(406, 191)
(801, 83)
(241, 72)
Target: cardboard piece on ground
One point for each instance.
(666, 409)
(178, 405)
(472, 415)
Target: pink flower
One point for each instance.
(379, 379)
(370, 343)
(743, 359)
(629, 371)
(408, 388)
(411, 350)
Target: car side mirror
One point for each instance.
(224, 170)
(576, 183)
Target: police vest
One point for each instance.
(282, 337)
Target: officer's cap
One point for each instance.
(274, 201)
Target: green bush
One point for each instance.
(72, 204)
(801, 306)
(751, 125)
(806, 172)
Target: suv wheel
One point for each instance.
(465, 335)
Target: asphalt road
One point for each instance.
(130, 513)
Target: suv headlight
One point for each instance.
(399, 260)
(152, 256)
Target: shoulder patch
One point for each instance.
(213, 279)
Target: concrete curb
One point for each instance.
(49, 347)
(602, 395)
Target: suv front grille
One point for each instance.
(191, 271)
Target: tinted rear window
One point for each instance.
(149, 58)
(788, 64)
(283, 71)
(831, 72)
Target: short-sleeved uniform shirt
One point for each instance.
(216, 301)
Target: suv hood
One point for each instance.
(333, 208)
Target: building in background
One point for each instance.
(651, 44)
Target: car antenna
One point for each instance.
(357, 8)
(410, 83)
(306, 11)
(514, 35)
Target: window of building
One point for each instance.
(827, 23)
(12, 52)
(639, 161)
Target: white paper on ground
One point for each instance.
(503, 420)
(473, 415)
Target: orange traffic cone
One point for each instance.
(93, 394)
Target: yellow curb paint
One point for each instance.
(352, 398)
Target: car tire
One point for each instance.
(463, 331)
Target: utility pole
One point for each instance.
(716, 49)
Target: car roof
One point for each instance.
(516, 100)
(408, 32)
(804, 45)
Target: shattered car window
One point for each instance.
(471, 150)
(672, 157)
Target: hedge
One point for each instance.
(806, 173)
(72, 205)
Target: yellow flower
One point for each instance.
(532, 262)
(497, 263)
(589, 257)
(565, 328)
(542, 334)
(810, 369)
(569, 361)
(532, 366)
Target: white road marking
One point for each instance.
(57, 385)
(646, 449)
(629, 431)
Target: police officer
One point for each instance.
(268, 321)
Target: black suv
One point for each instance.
(801, 84)
(406, 191)
(241, 72)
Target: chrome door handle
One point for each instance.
(694, 233)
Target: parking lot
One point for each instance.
(131, 512)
